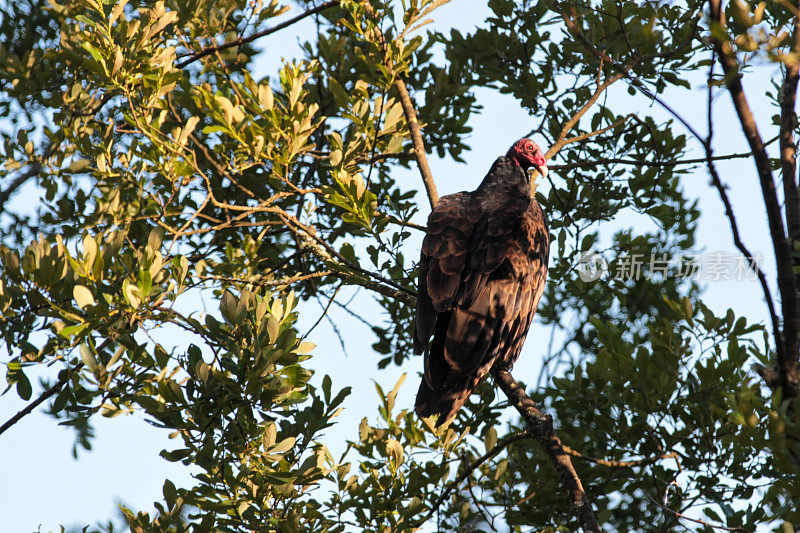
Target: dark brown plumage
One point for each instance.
(481, 273)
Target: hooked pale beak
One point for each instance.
(533, 170)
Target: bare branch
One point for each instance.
(737, 239)
(411, 116)
(49, 393)
(416, 137)
(660, 164)
(787, 284)
(33, 170)
(52, 391)
(541, 426)
(695, 520)
(788, 146)
(624, 69)
(18, 182)
(587, 135)
(239, 41)
(562, 136)
(496, 449)
(620, 464)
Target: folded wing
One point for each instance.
(477, 293)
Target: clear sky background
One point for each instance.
(43, 487)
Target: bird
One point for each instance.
(482, 271)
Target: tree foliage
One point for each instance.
(170, 176)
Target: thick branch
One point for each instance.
(541, 426)
(239, 41)
(416, 138)
(787, 144)
(787, 285)
(789, 148)
(410, 113)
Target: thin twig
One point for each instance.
(619, 464)
(324, 310)
(716, 180)
(695, 520)
(621, 161)
(239, 41)
(496, 449)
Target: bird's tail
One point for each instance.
(445, 400)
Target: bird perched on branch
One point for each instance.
(481, 273)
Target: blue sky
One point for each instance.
(44, 486)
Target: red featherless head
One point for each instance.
(527, 154)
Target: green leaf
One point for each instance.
(88, 358)
(73, 330)
(23, 383)
(83, 296)
(170, 493)
(154, 239)
(283, 446)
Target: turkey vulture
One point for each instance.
(481, 273)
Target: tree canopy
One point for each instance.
(177, 189)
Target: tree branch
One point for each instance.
(416, 138)
(788, 150)
(239, 41)
(634, 82)
(616, 160)
(787, 284)
(787, 144)
(587, 135)
(666, 509)
(737, 240)
(65, 374)
(619, 464)
(410, 113)
(496, 449)
(41, 399)
(16, 183)
(562, 136)
(541, 426)
(27, 174)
